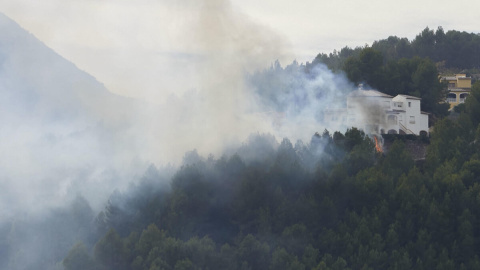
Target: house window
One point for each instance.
(409, 104)
(412, 120)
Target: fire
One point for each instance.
(378, 147)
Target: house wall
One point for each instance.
(464, 83)
(423, 124)
(412, 113)
(451, 83)
(411, 120)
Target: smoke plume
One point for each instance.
(66, 140)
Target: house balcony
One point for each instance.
(463, 96)
(451, 100)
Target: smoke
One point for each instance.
(63, 135)
(220, 110)
(299, 97)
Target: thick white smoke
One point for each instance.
(218, 111)
(62, 134)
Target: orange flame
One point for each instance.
(378, 147)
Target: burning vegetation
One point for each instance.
(378, 145)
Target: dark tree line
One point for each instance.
(332, 203)
(453, 50)
(415, 77)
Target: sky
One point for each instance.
(145, 48)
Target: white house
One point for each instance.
(377, 113)
(410, 119)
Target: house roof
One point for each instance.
(409, 97)
(368, 93)
(457, 77)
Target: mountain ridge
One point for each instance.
(30, 68)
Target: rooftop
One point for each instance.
(456, 77)
(368, 93)
(409, 97)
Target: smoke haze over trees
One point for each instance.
(399, 66)
(393, 66)
(64, 136)
(287, 89)
(78, 189)
(331, 203)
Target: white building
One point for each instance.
(377, 113)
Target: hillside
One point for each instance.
(39, 82)
(59, 134)
(51, 112)
(331, 203)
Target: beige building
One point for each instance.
(459, 87)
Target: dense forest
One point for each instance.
(453, 50)
(332, 203)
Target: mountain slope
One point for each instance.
(63, 136)
(59, 127)
(37, 80)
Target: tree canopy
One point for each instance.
(331, 203)
(452, 50)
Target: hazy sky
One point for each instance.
(143, 48)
